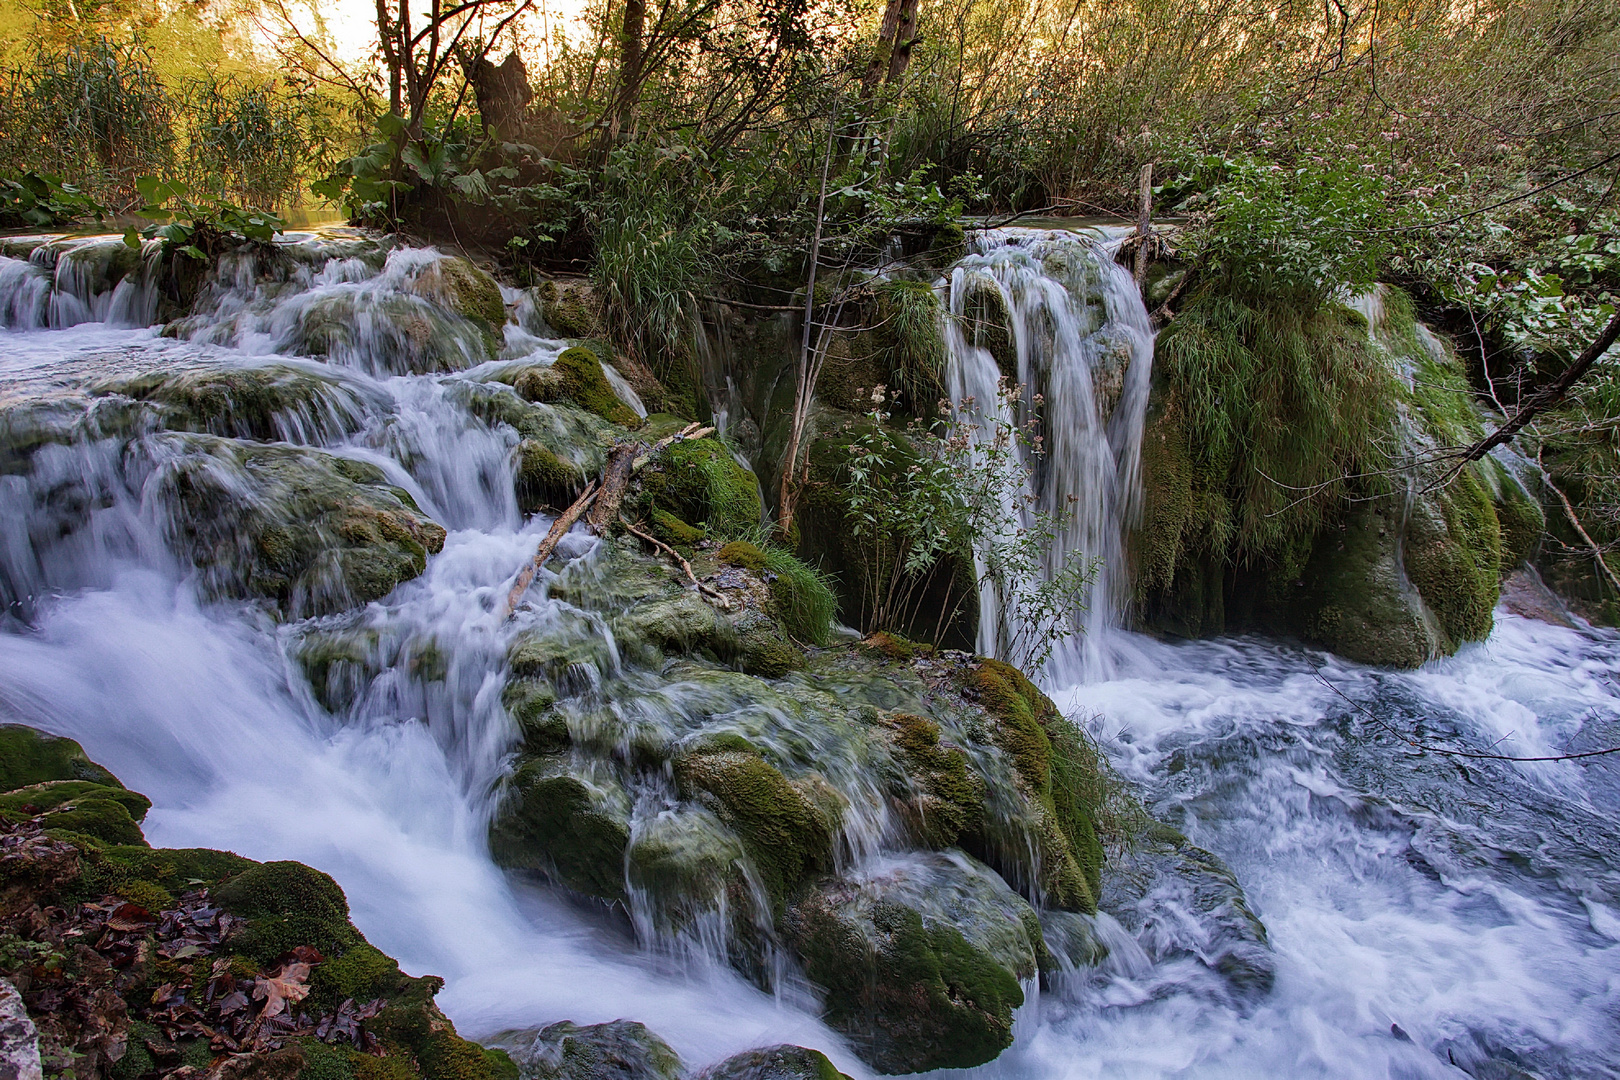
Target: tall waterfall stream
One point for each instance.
(1429, 917)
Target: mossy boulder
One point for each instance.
(920, 961)
(30, 757)
(787, 826)
(278, 907)
(618, 1050)
(774, 1063)
(459, 286)
(544, 478)
(686, 864)
(1056, 769)
(575, 376)
(312, 532)
(568, 307)
(941, 797)
(279, 401)
(567, 819)
(103, 812)
(698, 482)
(684, 623)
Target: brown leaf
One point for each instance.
(130, 917)
(278, 990)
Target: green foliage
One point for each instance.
(1275, 406)
(912, 344)
(1302, 233)
(697, 480)
(37, 200)
(804, 600)
(197, 230)
(957, 487)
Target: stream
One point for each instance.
(1429, 916)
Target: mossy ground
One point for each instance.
(283, 906)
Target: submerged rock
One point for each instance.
(568, 819)
(921, 960)
(617, 1050)
(774, 1063)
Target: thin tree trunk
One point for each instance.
(805, 385)
(615, 479)
(630, 64)
(1144, 222)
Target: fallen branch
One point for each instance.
(690, 431)
(558, 530)
(1548, 395)
(1580, 530)
(615, 479)
(672, 553)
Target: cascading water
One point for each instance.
(1075, 337)
(1427, 917)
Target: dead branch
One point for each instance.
(558, 530)
(1409, 741)
(672, 553)
(1546, 397)
(615, 479)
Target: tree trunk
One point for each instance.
(883, 52)
(615, 479)
(630, 62)
(502, 93)
(1144, 222)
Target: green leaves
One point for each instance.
(192, 228)
(33, 199)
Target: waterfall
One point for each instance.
(1051, 312)
(1425, 918)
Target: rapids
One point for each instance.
(1430, 916)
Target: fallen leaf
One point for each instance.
(278, 990)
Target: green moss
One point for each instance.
(1519, 519)
(776, 1063)
(801, 597)
(743, 554)
(446, 1056)
(988, 324)
(1058, 769)
(363, 972)
(472, 293)
(948, 244)
(1455, 562)
(52, 794)
(787, 827)
(943, 797)
(896, 647)
(675, 532)
(104, 819)
(573, 825)
(323, 1062)
(919, 997)
(529, 701)
(137, 1060)
(697, 480)
(765, 653)
(568, 311)
(582, 382)
(33, 757)
(544, 478)
(288, 904)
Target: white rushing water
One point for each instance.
(1429, 917)
(1083, 348)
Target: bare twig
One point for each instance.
(672, 553)
(1409, 741)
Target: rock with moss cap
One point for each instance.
(617, 1050)
(567, 818)
(568, 308)
(780, 1062)
(786, 825)
(920, 960)
(313, 532)
(575, 376)
(276, 401)
(698, 482)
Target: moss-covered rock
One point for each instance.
(920, 962)
(697, 481)
(568, 819)
(742, 554)
(310, 531)
(31, 757)
(576, 376)
(1056, 767)
(544, 478)
(280, 401)
(568, 307)
(276, 908)
(101, 811)
(787, 825)
(618, 1050)
(941, 797)
(459, 286)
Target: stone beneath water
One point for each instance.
(921, 960)
(617, 1050)
(774, 1063)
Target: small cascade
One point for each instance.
(1051, 312)
(66, 281)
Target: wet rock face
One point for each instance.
(774, 1063)
(921, 961)
(121, 961)
(881, 815)
(618, 1050)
